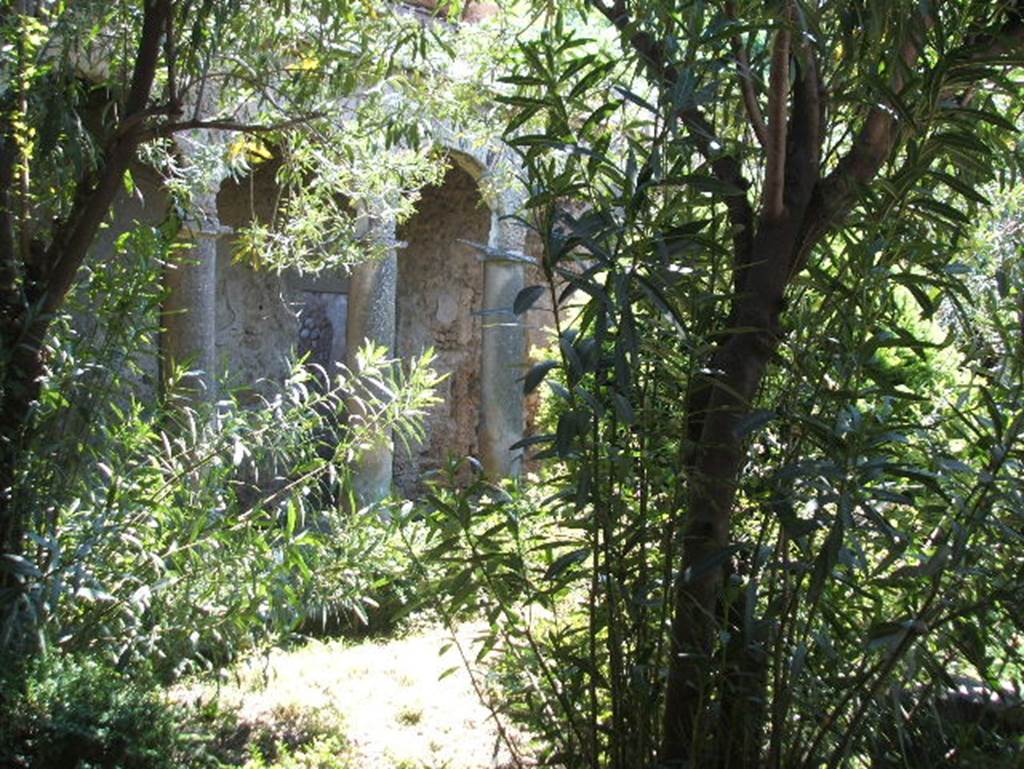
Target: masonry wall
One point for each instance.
(266, 319)
(440, 292)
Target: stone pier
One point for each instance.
(188, 315)
(371, 317)
(502, 418)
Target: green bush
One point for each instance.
(367, 585)
(178, 533)
(79, 713)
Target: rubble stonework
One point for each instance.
(440, 294)
(229, 318)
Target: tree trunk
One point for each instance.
(21, 383)
(35, 289)
(740, 362)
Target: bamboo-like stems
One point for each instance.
(750, 102)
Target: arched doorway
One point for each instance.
(439, 298)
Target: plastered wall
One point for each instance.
(266, 319)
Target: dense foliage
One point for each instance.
(177, 531)
(777, 509)
(194, 92)
(146, 533)
(783, 475)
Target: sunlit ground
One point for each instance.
(371, 705)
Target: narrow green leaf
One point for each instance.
(526, 298)
(536, 375)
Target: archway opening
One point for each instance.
(264, 317)
(439, 298)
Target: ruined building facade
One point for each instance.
(431, 289)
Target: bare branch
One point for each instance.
(810, 102)
(750, 102)
(778, 106)
(835, 195)
(233, 125)
(873, 145)
(8, 258)
(805, 139)
(1006, 41)
(171, 60)
(130, 124)
(95, 192)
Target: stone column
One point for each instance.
(502, 419)
(189, 311)
(371, 317)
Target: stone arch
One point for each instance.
(465, 313)
(265, 318)
(493, 421)
(439, 298)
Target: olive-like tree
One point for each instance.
(86, 86)
(805, 121)
(839, 97)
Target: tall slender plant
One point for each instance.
(779, 461)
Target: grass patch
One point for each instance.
(366, 705)
(409, 716)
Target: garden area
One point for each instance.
(448, 384)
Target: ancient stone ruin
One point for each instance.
(432, 289)
(223, 318)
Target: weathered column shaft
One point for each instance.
(371, 317)
(189, 313)
(503, 356)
